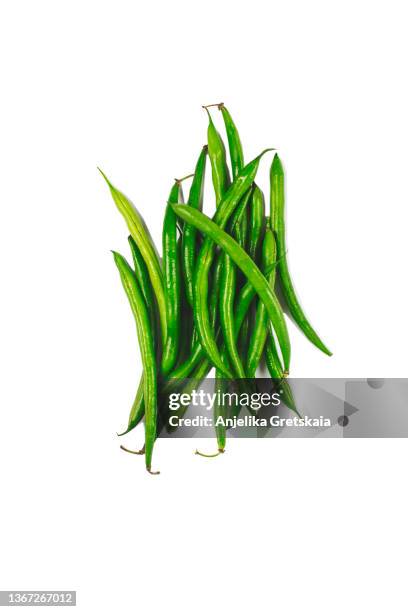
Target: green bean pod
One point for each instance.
(172, 280)
(286, 284)
(260, 330)
(227, 294)
(239, 230)
(143, 279)
(147, 352)
(141, 236)
(219, 167)
(243, 303)
(189, 237)
(234, 142)
(197, 354)
(249, 268)
(219, 411)
(137, 411)
(201, 316)
(276, 372)
(257, 221)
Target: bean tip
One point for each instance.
(209, 456)
(133, 452)
(149, 469)
(104, 176)
(219, 105)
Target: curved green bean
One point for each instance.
(227, 294)
(189, 238)
(278, 226)
(257, 221)
(234, 142)
(260, 330)
(137, 411)
(275, 370)
(219, 167)
(143, 279)
(172, 280)
(141, 236)
(147, 352)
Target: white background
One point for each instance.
(310, 525)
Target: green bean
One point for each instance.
(278, 226)
(141, 236)
(141, 272)
(219, 411)
(256, 212)
(142, 275)
(143, 279)
(260, 330)
(227, 294)
(147, 352)
(234, 142)
(237, 162)
(226, 207)
(256, 225)
(197, 354)
(248, 267)
(239, 215)
(219, 167)
(239, 232)
(172, 280)
(221, 181)
(137, 410)
(275, 370)
(239, 229)
(189, 237)
(243, 303)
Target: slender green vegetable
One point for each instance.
(142, 275)
(172, 280)
(239, 229)
(243, 303)
(219, 410)
(137, 411)
(219, 167)
(251, 270)
(256, 225)
(234, 142)
(221, 182)
(141, 272)
(227, 294)
(260, 330)
(275, 370)
(143, 279)
(141, 236)
(226, 207)
(147, 352)
(244, 300)
(197, 354)
(189, 237)
(278, 226)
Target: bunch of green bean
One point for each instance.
(212, 299)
